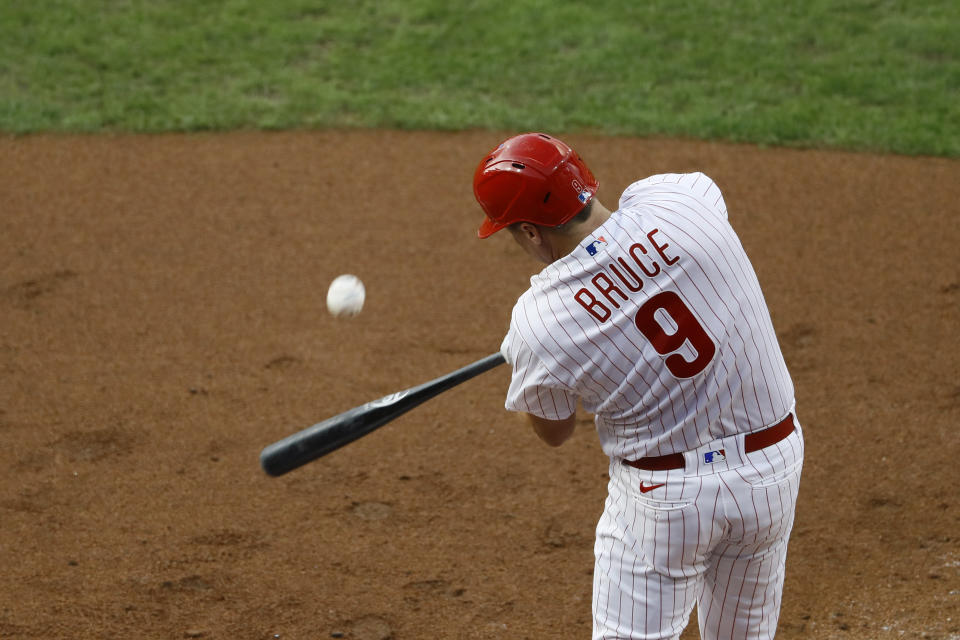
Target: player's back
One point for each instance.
(658, 323)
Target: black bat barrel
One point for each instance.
(342, 429)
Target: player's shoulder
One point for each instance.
(696, 181)
(538, 306)
(542, 285)
(698, 184)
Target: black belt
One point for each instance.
(752, 442)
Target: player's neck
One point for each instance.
(563, 244)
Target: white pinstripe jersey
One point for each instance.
(656, 321)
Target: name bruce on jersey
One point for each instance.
(606, 286)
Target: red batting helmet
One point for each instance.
(532, 177)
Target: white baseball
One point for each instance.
(346, 295)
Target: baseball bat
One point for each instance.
(313, 442)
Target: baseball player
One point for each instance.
(652, 317)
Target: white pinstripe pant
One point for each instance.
(713, 534)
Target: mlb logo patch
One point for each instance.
(596, 245)
(711, 457)
(584, 196)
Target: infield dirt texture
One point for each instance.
(162, 319)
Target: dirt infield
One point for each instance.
(162, 319)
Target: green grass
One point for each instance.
(860, 74)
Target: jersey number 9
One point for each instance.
(687, 329)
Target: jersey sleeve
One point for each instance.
(532, 388)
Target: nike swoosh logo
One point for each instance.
(644, 489)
